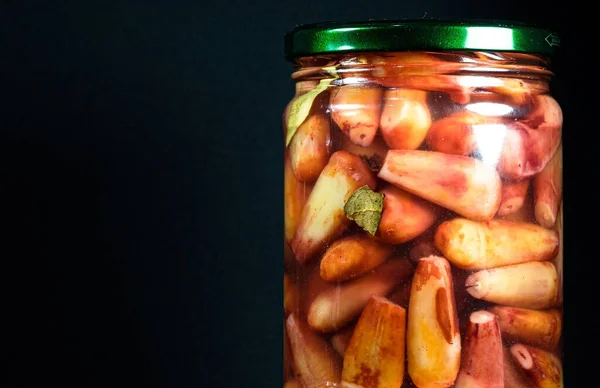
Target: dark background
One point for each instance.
(141, 186)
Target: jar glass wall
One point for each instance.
(423, 220)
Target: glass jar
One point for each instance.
(423, 216)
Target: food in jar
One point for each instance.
(312, 286)
(357, 110)
(529, 144)
(315, 363)
(532, 285)
(524, 214)
(461, 88)
(459, 183)
(334, 308)
(376, 352)
(547, 191)
(310, 147)
(352, 256)
(405, 118)
(457, 133)
(323, 216)
(433, 341)
(372, 155)
(540, 328)
(404, 216)
(477, 245)
(514, 377)
(541, 368)
(295, 196)
(481, 360)
(513, 196)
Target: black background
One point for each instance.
(141, 185)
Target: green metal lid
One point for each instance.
(419, 34)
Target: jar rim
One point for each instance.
(337, 37)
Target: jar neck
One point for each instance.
(432, 71)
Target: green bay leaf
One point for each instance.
(364, 207)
